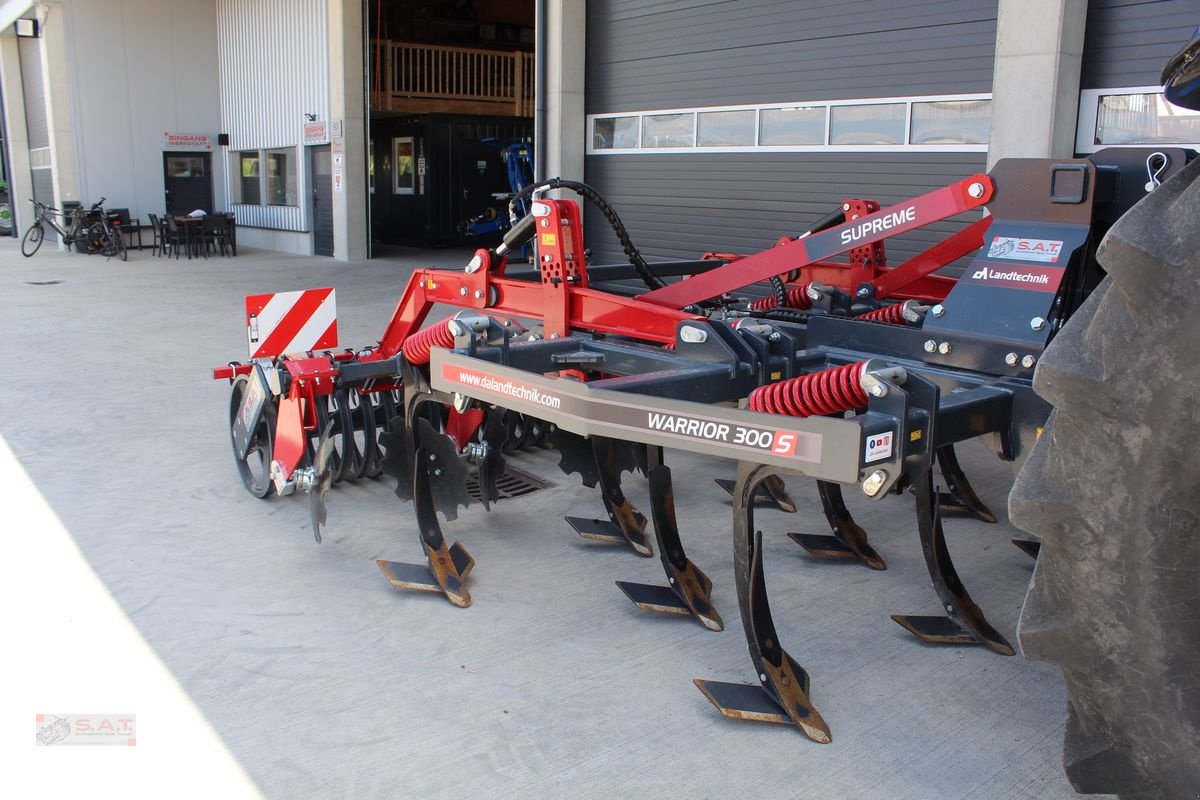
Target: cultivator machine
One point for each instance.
(813, 358)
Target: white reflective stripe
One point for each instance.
(318, 323)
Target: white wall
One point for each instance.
(137, 69)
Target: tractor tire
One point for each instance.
(1113, 490)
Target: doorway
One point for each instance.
(321, 169)
(187, 178)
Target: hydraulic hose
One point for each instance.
(640, 266)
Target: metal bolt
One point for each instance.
(547, 257)
(479, 294)
(1010, 359)
(878, 390)
(554, 336)
(975, 190)
(1037, 323)
(437, 472)
(762, 676)
(863, 292)
(672, 580)
(950, 608)
(1027, 362)
(874, 483)
(773, 336)
(462, 291)
(845, 206)
(930, 346)
(813, 293)
(545, 222)
(938, 310)
(944, 348)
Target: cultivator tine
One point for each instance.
(849, 540)
(625, 523)
(689, 591)
(439, 484)
(491, 465)
(782, 696)
(322, 480)
(965, 622)
(770, 491)
(960, 497)
(1029, 547)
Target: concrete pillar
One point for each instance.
(20, 178)
(1035, 89)
(63, 154)
(563, 149)
(347, 103)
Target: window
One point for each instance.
(867, 124)
(668, 130)
(726, 128)
(249, 171)
(402, 165)
(1132, 117)
(186, 167)
(951, 122)
(795, 125)
(281, 177)
(615, 132)
(946, 123)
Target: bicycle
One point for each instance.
(90, 232)
(70, 232)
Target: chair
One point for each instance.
(214, 233)
(173, 237)
(128, 225)
(159, 247)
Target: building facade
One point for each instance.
(708, 125)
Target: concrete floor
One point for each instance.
(141, 578)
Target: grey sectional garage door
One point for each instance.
(645, 56)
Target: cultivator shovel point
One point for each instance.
(782, 694)
(688, 590)
(964, 622)
(849, 540)
(625, 523)
(1029, 547)
(446, 567)
(771, 492)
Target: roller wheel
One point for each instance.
(1111, 489)
(32, 240)
(255, 468)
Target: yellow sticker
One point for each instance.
(915, 436)
(776, 376)
(549, 239)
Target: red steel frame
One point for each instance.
(564, 302)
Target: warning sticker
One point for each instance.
(549, 239)
(879, 447)
(1046, 251)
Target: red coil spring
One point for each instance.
(416, 347)
(892, 315)
(797, 297)
(827, 392)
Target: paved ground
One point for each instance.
(143, 579)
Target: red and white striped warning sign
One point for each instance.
(291, 322)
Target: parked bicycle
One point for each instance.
(92, 231)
